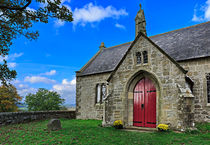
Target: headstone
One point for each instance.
(54, 124)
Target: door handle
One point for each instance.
(142, 106)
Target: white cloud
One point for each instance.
(67, 90)
(38, 79)
(59, 23)
(120, 26)
(11, 57)
(67, 1)
(22, 86)
(14, 56)
(92, 13)
(72, 82)
(23, 89)
(205, 13)
(15, 82)
(50, 73)
(12, 65)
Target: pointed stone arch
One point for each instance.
(131, 83)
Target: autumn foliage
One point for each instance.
(9, 98)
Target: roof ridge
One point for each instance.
(179, 29)
(118, 45)
(160, 34)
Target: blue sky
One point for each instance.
(63, 48)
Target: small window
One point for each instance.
(103, 91)
(98, 97)
(208, 87)
(138, 57)
(100, 93)
(145, 56)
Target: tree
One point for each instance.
(9, 98)
(44, 100)
(6, 74)
(16, 18)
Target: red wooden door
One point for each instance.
(144, 105)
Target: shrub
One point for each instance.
(162, 127)
(118, 124)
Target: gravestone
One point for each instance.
(54, 124)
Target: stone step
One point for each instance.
(140, 129)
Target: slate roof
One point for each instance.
(187, 43)
(182, 44)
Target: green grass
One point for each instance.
(89, 132)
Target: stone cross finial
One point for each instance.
(102, 45)
(140, 22)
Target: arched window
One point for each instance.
(103, 90)
(208, 87)
(138, 57)
(98, 94)
(145, 57)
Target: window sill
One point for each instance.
(142, 64)
(99, 104)
(145, 63)
(208, 105)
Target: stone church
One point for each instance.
(152, 80)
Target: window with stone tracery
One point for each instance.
(142, 57)
(100, 93)
(103, 90)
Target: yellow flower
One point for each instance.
(118, 122)
(163, 127)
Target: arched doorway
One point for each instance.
(144, 104)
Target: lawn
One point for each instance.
(89, 132)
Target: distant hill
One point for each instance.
(22, 107)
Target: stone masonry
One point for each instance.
(86, 106)
(198, 68)
(23, 117)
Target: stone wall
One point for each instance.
(86, 106)
(164, 73)
(197, 72)
(22, 117)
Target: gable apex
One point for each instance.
(162, 51)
